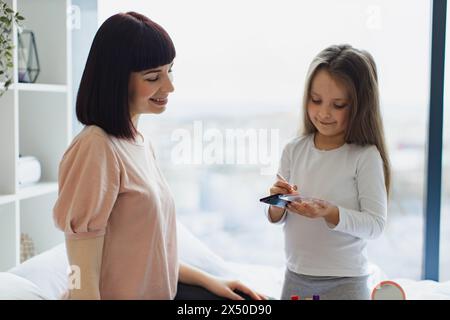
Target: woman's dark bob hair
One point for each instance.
(124, 43)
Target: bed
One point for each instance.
(44, 277)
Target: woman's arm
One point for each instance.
(193, 276)
(223, 288)
(86, 255)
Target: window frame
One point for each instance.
(432, 203)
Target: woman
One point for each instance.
(114, 204)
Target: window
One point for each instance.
(240, 70)
(445, 204)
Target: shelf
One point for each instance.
(39, 212)
(8, 237)
(36, 120)
(37, 87)
(47, 19)
(26, 192)
(41, 87)
(7, 198)
(44, 129)
(35, 190)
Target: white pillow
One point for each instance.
(48, 271)
(194, 252)
(13, 287)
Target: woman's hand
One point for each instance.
(316, 209)
(226, 289)
(223, 288)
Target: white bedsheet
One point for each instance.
(48, 271)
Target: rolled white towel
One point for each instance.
(28, 170)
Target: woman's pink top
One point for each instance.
(114, 188)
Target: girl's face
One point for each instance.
(328, 105)
(148, 90)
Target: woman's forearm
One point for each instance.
(193, 276)
(220, 287)
(86, 256)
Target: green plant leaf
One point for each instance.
(7, 18)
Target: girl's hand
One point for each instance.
(283, 187)
(226, 288)
(316, 209)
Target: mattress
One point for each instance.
(45, 275)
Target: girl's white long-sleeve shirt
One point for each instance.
(350, 177)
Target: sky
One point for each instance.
(254, 54)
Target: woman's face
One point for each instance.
(148, 90)
(328, 105)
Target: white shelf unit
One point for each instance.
(35, 120)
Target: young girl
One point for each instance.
(114, 205)
(341, 162)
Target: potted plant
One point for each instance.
(7, 19)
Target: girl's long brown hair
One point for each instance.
(355, 69)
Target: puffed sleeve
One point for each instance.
(89, 181)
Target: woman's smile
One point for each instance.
(159, 101)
